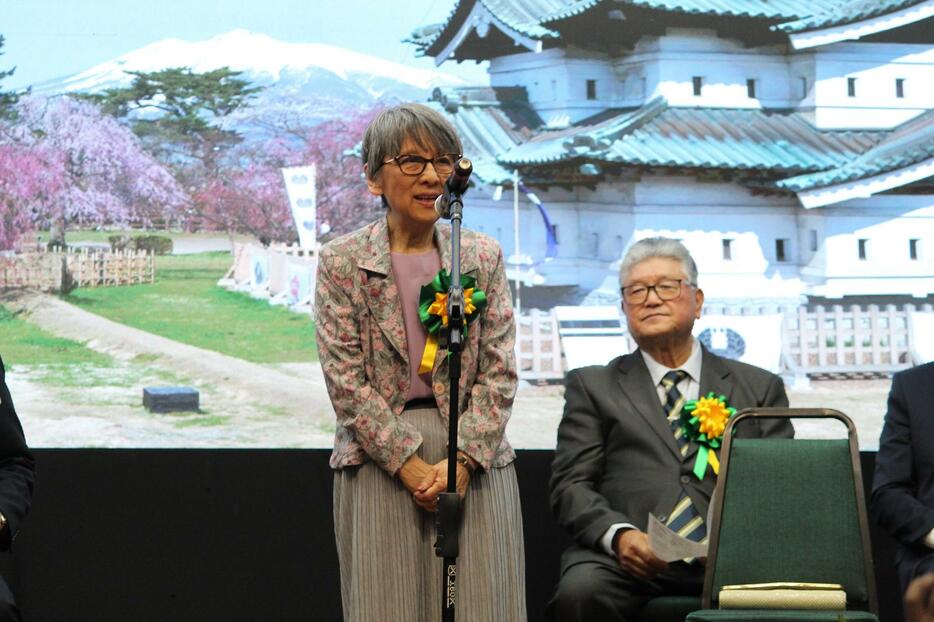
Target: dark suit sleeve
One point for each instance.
(894, 503)
(775, 397)
(576, 502)
(17, 467)
(761, 389)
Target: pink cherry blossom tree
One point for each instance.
(344, 203)
(108, 177)
(30, 175)
(249, 194)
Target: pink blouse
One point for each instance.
(411, 272)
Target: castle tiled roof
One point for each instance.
(540, 20)
(845, 12)
(760, 9)
(660, 136)
(909, 144)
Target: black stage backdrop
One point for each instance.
(216, 535)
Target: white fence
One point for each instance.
(283, 274)
(851, 341)
(838, 340)
(538, 347)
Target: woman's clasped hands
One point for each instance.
(426, 481)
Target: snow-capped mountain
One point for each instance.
(304, 78)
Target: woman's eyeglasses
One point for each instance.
(415, 165)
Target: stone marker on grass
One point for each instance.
(170, 399)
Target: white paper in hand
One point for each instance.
(669, 546)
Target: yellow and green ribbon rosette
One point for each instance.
(703, 421)
(433, 311)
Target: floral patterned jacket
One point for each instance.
(362, 349)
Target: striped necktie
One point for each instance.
(684, 518)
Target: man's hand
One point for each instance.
(636, 556)
(919, 599)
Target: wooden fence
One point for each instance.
(849, 340)
(538, 347)
(35, 270)
(835, 341)
(57, 270)
(104, 269)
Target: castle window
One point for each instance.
(900, 87)
(913, 249)
(591, 89)
(851, 87)
(698, 82)
(781, 249)
(727, 249)
(554, 232)
(863, 248)
(812, 240)
(803, 82)
(750, 88)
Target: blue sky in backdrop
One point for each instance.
(47, 39)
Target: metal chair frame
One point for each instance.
(789, 413)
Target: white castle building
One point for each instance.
(788, 143)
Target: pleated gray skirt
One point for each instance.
(385, 543)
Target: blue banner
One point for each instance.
(551, 241)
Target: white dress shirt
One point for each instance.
(689, 388)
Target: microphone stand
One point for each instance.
(450, 504)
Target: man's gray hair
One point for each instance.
(649, 248)
(426, 126)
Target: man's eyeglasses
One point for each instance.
(668, 289)
(415, 165)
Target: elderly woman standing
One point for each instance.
(391, 398)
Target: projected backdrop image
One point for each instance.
(165, 184)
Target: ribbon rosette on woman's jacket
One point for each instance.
(433, 311)
(703, 421)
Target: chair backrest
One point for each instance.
(790, 510)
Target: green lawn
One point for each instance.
(185, 304)
(22, 343)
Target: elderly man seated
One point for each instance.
(903, 482)
(623, 451)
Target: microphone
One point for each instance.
(456, 184)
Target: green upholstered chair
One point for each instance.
(789, 510)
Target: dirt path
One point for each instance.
(251, 404)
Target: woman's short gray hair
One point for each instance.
(426, 126)
(648, 248)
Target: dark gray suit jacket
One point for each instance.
(17, 467)
(617, 459)
(903, 481)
